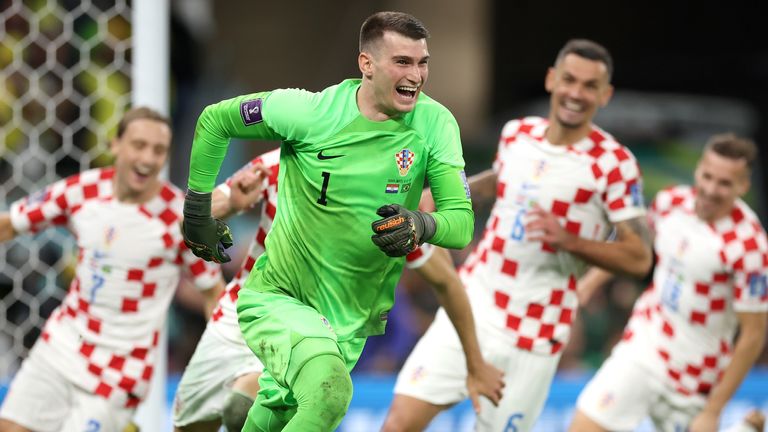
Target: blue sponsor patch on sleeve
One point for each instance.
(250, 111)
(758, 288)
(636, 192)
(463, 176)
(38, 197)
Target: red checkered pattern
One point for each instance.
(130, 259)
(706, 272)
(589, 186)
(224, 316)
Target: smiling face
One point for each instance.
(394, 71)
(719, 181)
(578, 86)
(140, 154)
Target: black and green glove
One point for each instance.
(205, 236)
(401, 231)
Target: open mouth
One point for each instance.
(142, 173)
(407, 91)
(573, 106)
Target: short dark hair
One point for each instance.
(589, 50)
(731, 146)
(375, 25)
(140, 113)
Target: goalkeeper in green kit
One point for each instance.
(354, 158)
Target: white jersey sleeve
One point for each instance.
(420, 256)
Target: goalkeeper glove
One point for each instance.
(401, 231)
(205, 236)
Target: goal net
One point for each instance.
(65, 69)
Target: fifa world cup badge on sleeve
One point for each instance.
(250, 111)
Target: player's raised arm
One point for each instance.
(454, 217)
(240, 117)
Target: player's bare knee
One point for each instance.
(394, 423)
(583, 423)
(408, 414)
(235, 411)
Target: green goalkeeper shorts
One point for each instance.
(273, 323)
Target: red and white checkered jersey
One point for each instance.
(683, 326)
(526, 289)
(224, 318)
(131, 257)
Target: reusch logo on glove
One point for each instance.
(391, 224)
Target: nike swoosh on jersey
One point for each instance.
(321, 156)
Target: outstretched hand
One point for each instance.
(487, 381)
(247, 185)
(543, 226)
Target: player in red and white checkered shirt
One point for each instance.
(560, 186)
(93, 362)
(220, 382)
(677, 361)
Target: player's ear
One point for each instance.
(365, 62)
(114, 146)
(743, 185)
(606, 95)
(549, 81)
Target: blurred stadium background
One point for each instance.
(65, 68)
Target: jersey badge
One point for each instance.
(109, 236)
(404, 159)
(250, 111)
(418, 374)
(607, 400)
(392, 188)
(406, 187)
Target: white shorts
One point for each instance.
(436, 372)
(622, 394)
(42, 399)
(208, 377)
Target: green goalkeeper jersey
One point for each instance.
(336, 168)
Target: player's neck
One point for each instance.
(125, 195)
(366, 104)
(558, 135)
